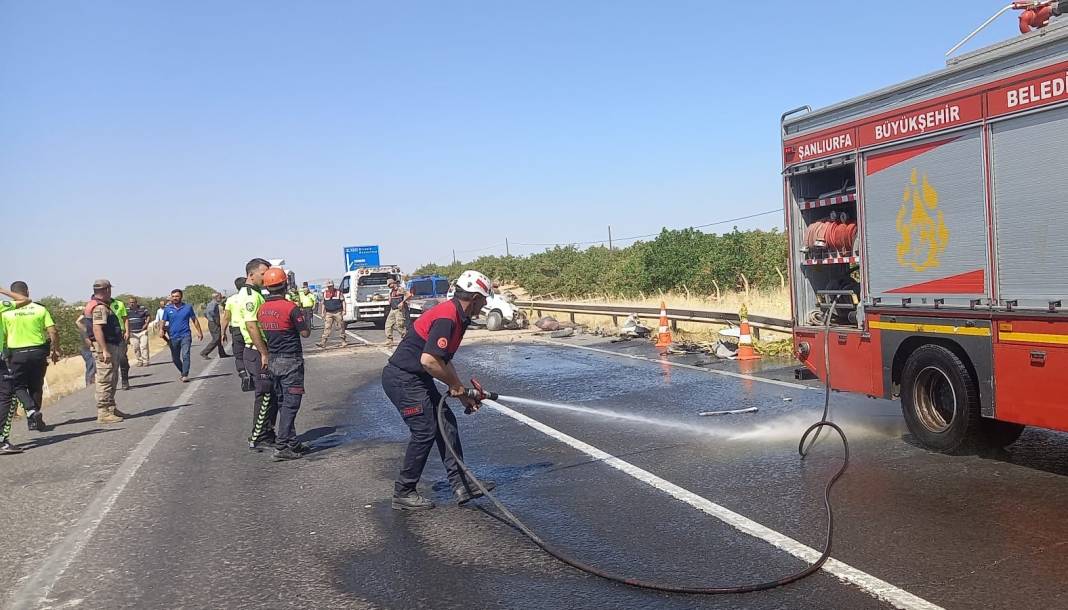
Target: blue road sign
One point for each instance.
(361, 256)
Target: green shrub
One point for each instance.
(703, 263)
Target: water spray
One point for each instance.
(476, 488)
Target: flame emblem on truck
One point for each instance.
(922, 227)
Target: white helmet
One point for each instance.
(473, 281)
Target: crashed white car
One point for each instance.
(501, 312)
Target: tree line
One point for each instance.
(64, 314)
(676, 260)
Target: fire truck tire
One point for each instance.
(494, 321)
(940, 401)
(998, 434)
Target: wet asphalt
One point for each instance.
(206, 523)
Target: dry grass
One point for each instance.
(68, 375)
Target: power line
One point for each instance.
(599, 241)
(613, 239)
(494, 246)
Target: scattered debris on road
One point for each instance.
(729, 412)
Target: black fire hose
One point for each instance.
(470, 479)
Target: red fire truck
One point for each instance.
(935, 214)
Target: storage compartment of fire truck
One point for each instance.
(825, 238)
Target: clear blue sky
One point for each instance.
(165, 143)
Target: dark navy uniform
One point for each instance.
(282, 322)
(411, 389)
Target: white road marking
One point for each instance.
(871, 585)
(875, 587)
(34, 591)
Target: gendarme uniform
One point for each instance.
(248, 302)
(27, 347)
(7, 390)
(98, 312)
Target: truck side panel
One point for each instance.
(1031, 360)
(925, 221)
(1031, 207)
(854, 359)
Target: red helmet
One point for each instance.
(274, 277)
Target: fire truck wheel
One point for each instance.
(940, 400)
(998, 434)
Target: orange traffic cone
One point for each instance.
(663, 338)
(745, 343)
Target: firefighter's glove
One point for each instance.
(468, 398)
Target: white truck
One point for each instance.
(367, 295)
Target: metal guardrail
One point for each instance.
(675, 315)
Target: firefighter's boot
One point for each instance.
(410, 500)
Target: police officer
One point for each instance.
(256, 357)
(106, 334)
(231, 318)
(119, 309)
(284, 325)
(425, 354)
(307, 303)
(8, 406)
(31, 338)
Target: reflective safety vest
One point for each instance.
(25, 326)
(119, 308)
(231, 307)
(248, 301)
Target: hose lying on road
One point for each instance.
(469, 479)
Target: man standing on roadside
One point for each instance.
(31, 338)
(119, 308)
(231, 317)
(87, 350)
(213, 312)
(137, 330)
(176, 318)
(159, 316)
(398, 305)
(333, 315)
(284, 325)
(7, 391)
(106, 337)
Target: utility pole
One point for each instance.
(609, 237)
(507, 250)
(454, 256)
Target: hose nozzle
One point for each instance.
(477, 392)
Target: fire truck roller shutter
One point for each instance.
(925, 228)
(1031, 207)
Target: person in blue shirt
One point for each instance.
(176, 319)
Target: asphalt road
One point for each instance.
(170, 509)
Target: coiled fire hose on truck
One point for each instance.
(471, 483)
